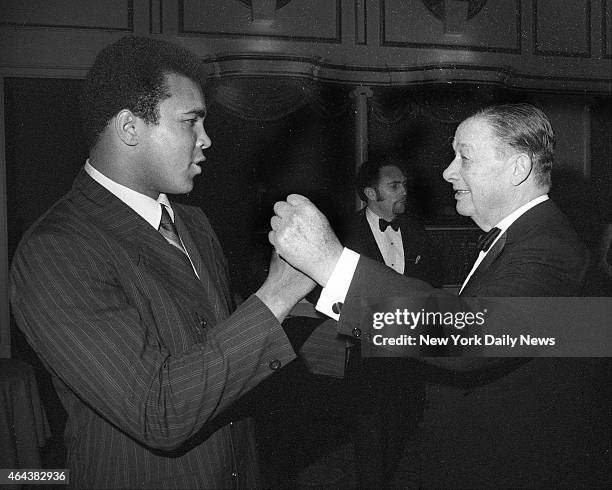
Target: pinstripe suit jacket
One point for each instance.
(145, 357)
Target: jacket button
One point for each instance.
(203, 322)
(275, 365)
(337, 307)
(357, 332)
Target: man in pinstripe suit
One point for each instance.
(135, 324)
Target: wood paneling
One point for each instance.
(361, 22)
(71, 14)
(606, 25)
(562, 27)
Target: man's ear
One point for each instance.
(370, 193)
(521, 168)
(125, 127)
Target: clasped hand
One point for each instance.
(302, 235)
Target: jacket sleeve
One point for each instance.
(93, 335)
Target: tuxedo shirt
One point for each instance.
(389, 242)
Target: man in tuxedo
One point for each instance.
(383, 230)
(386, 395)
(125, 297)
(501, 175)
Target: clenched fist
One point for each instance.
(303, 237)
(283, 287)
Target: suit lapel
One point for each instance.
(145, 245)
(489, 259)
(369, 247)
(204, 263)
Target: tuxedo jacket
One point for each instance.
(418, 259)
(508, 417)
(146, 358)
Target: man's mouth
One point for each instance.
(461, 192)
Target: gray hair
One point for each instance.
(524, 128)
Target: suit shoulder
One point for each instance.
(61, 218)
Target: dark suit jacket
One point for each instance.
(357, 235)
(507, 422)
(539, 255)
(145, 357)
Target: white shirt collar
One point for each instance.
(148, 208)
(505, 223)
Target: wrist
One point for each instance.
(326, 266)
(275, 301)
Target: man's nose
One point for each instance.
(204, 140)
(450, 173)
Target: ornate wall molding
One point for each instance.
(313, 68)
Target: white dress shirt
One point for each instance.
(389, 242)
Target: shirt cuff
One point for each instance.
(333, 294)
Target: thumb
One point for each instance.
(296, 199)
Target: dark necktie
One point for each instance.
(168, 230)
(486, 239)
(383, 224)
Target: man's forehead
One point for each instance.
(391, 172)
(184, 90)
(472, 134)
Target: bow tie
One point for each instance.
(383, 223)
(486, 239)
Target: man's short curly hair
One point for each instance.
(131, 74)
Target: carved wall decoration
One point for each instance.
(473, 25)
(438, 7)
(293, 20)
(263, 10)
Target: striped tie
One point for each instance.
(168, 231)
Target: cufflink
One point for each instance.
(275, 365)
(337, 307)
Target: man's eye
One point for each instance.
(191, 122)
